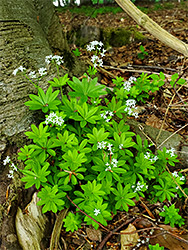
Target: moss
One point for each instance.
(121, 36)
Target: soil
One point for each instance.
(123, 61)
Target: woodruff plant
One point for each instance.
(83, 153)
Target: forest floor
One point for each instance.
(124, 61)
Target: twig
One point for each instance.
(176, 182)
(101, 245)
(86, 214)
(142, 130)
(172, 135)
(133, 70)
(57, 229)
(166, 114)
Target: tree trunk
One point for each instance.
(152, 27)
(29, 31)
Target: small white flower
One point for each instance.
(103, 53)
(48, 59)
(175, 174)
(32, 74)
(109, 146)
(100, 43)
(108, 168)
(127, 85)
(171, 152)
(111, 113)
(131, 103)
(10, 176)
(132, 79)
(42, 71)
(120, 146)
(96, 211)
(15, 72)
(182, 178)
(107, 120)
(6, 160)
(21, 68)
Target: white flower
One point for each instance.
(182, 178)
(54, 119)
(132, 79)
(175, 174)
(100, 43)
(42, 71)
(102, 53)
(108, 168)
(96, 211)
(15, 72)
(93, 43)
(6, 160)
(171, 152)
(127, 85)
(111, 113)
(94, 58)
(21, 68)
(90, 48)
(120, 146)
(101, 145)
(58, 59)
(107, 120)
(109, 146)
(131, 103)
(32, 74)
(10, 176)
(48, 59)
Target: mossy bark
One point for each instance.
(29, 31)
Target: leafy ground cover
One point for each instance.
(151, 57)
(84, 158)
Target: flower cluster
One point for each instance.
(171, 152)
(105, 145)
(96, 61)
(111, 165)
(127, 84)
(21, 68)
(99, 52)
(150, 157)
(139, 187)
(12, 169)
(57, 59)
(175, 174)
(131, 107)
(54, 119)
(107, 115)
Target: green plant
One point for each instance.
(142, 53)
(171, 216)
(76, 52)
(155, 247)
(83, 154)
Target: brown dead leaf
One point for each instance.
(93, 234)
(155, 122)
(129, 240)
(173, 241)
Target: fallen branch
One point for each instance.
(57, 229)
(152, 27)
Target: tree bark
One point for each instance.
(29, 31)
(152, 27)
